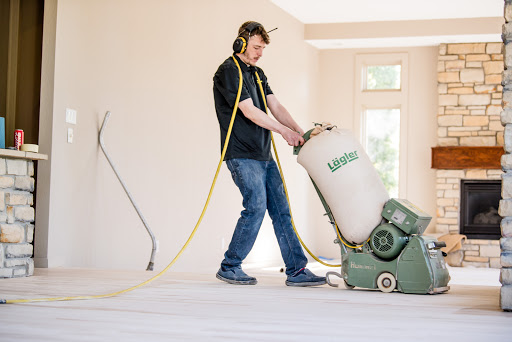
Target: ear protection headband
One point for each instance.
(240, 44)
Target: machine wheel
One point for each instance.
(348, 286)
(386, 282)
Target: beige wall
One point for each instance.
(336, 104)
(405, 28)
(151, 64)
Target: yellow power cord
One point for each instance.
(286, 189)
(53, 299)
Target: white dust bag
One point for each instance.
(347, 180)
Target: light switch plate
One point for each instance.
(70, 135)
(71, 116)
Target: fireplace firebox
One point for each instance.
(479, 203)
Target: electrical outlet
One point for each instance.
(71, 116)
(70, 135)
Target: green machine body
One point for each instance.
(406, 216)
(396, 256)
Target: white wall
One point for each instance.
(336, 105)
(151, 64)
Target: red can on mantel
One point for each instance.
(18, 138)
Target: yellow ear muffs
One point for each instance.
(240, 45)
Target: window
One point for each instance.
(382, 141)
(380, 115)
(380, 77)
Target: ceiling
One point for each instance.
(311, 12)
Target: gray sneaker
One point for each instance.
(235, 276)
(305, 277)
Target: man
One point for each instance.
(250, 162)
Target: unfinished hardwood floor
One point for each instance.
(198, 307)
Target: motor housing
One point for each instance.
(387, 241)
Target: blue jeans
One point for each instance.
(262, 189)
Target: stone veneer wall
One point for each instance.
(470, 91)
(470, 95)
(505, 209)
(16, 217)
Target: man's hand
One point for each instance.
(261, 119)
(292, 138)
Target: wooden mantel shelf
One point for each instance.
(22, 155)
(467, 157)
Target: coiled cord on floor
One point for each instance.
(13, 301)
(192, 234)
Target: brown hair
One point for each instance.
(259, 30)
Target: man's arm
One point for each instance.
(282, 115)
(261, 119)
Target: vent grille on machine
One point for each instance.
(383, 241)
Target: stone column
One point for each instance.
(16, 217)
(506, 162)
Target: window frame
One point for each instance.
(383, 99)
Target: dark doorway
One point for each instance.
(21, 38)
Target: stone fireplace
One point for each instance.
(469, 131)
(479, 203)
(17, 214)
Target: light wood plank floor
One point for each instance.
(198, 307)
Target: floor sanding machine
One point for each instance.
(381, 239)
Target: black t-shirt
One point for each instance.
(247, 140)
